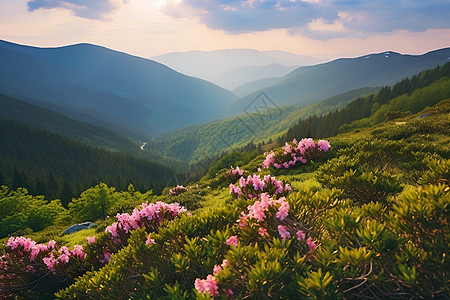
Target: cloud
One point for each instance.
(315, 18)
(90, 9)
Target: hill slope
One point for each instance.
(201, 141)
(107, 86)
(378, 205)
(407, 96)
(311, 84)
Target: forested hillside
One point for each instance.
(48, 164)
(199, 142)
(92, 135)
(361, 215)
(407, 96)
(323, 119)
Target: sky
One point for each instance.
(325, 29)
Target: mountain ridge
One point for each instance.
(310, 84)
(88, 77)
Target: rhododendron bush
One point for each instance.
(26, 263)
(350, 235)
(177, 190)
(234, 174)
(296, 153)
(254, 186)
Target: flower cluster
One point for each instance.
(208, 285)
(254, 186)
(149, 216)
(262, 209)
(295, 152)
(234, 174)
(29, 248)
(270, 217)
(63, 256)
(268, 212)
(179, 189)
(23, 259)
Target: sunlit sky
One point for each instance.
(319, 28)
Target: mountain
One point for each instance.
(108, 88)
(223, 67)
(311, 84)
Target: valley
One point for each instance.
(328, 180)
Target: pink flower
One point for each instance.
(302, 160)
(265, 201)
(307, 143)
(287, 149)
(311, 244)
(242, 220)
(64, 258)
(150, 241)
(175, 191)
(232, 240)
(279, 190)
(51, 244)
(50, 262)
(300, 235)
(91, 239)
(216, 269)
(64, 250)
(78, 251)
(107, 256)
(113, 230)
(263, 231)
(269, 160)
(283, 210)
(323, 145)
(284, 233)
(224, 263)
(256, 211)
(208, 285)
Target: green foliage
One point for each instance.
(197, 142)
(101, 201)
(377, 228)
(234, 159)
(439, 171)
(93, 204)
(411, 94)
(21, 211)
(57, 167)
